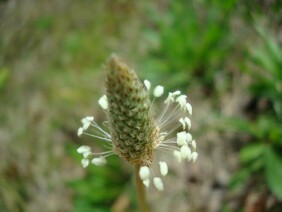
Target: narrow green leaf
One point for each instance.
(273, 171)
(251, 152)
(238, 178)
(4, 75)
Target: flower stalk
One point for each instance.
(140, 191)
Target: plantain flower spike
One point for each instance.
(134, 130)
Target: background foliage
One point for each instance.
(225, 54)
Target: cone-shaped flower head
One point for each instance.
(133, 131)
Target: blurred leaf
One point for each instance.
(265, 129)
(237, 124)
(238, 178)
(268, 81)
(268, 129)
(4, 75)
(261, 57)
(44, 22)
(273, 171)
(98, 189)
(190, 47)
(251, 152)
(278, 108)
(243, 174)
(72, 43)
(272, 47)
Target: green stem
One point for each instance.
(141, 195)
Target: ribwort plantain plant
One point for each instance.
(134, 132)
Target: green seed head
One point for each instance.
(133, 130)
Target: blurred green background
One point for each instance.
(226, 55)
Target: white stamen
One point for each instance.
(181, 138)
(86, 122)
(169, 99)
(84, 162)
(146, 182)
(194, 145)
(194, 156)
(147, 84)
(144, 172)
(188, 122)
(101, 161)
(185, 152)
(158, 183)
(86, 154)
(181, 120)
(86, 125)
(95, 125)
(171, 96)
(158, 91)
(176, 93)
(177, 155)
(188, 137)
(83, 149)
(189, 108)
(163, 168)
(80, 131)
(181, 100)
(161, 138)
(103, 102)
(89, 118)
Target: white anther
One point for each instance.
(176, 93)
(144, 172)
(158, 91)
(83, 149)
(171, 96)
(84, 162)
(146, 183)
(86, 125)
(188, 137)
(89, 118)
(169, 99)
(188, 122)
(101, 161)
(189, 108)
(181, 120)
(181, 138)
(194, 145)
(80, 131)
(86, 122)
(103, 102)
(86, 154)
(177, 155)
(163, 168)
(185, 152)
(147, 84)
(181, 100)
(194, 156)
(158, 183)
